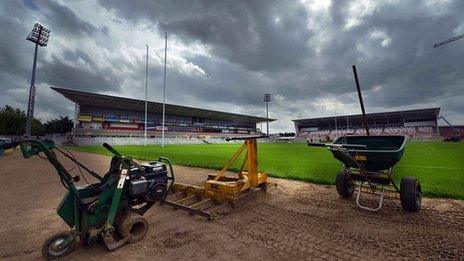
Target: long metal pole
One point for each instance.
(361, 100)
(146, 100)
(164, 86)
(30, 105)
(267, 117)
(448, 41)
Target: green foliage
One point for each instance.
(61, 125)
(438, 165)
(12, 121)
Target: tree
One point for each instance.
(61, 125)
(13, 122)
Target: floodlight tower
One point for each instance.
(267, 100)
(452, 39)
(39, 35)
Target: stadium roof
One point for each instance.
(418, 114)
(95, 99)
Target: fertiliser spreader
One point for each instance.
(368, 163)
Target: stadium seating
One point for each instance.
(421, 132)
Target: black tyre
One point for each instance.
(410, 194)
(50, 248)
(133, 225)
(344, 184)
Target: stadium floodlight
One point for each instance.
(267, 100)
(164, 86)
(39, 35)
(452, 39)
(146, 101)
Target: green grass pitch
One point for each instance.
(438, 165)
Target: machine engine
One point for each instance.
(151, 184)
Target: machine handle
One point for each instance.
(333, 145)
(163, 159)
(111, 149)
(248, 138)
(316, 144)
(172, 178)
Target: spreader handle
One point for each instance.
(316, 144)
(111, 149)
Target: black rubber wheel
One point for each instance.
(344, 184)
(410, 194)
(50, 247)
(133, 225)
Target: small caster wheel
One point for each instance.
(51, 248)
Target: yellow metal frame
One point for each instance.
(222, 188)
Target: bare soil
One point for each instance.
(293, 221)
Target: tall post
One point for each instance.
(164, 86)
(358, 88)
(267, 99)
(267, 117)
(146, 100)
(30, 104)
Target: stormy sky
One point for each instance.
(225, 55)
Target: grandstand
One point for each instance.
(449, 131)
(415, 124)
(99, 115)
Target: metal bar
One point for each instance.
(30, 105)
(164, 86)
(117, 195)
(240, 174)
(146, 101)
(358, 88)
(201, 202)
(230, 162)
(448, 41)
(358, 196)
(93, 173)
(185, 199)
(191, 210)
(267, 117)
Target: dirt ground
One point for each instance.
(293, 221)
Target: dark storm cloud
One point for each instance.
(260, 35)
(17, 19)
(408, 70)
(64, 20)
(60, 73)
(300, 55)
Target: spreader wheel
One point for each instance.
(51, 249)
(410, 194)
(344, 184)
(133, 225)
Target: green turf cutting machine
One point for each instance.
(111, 208)
(368, 164)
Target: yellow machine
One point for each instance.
(221, 189)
